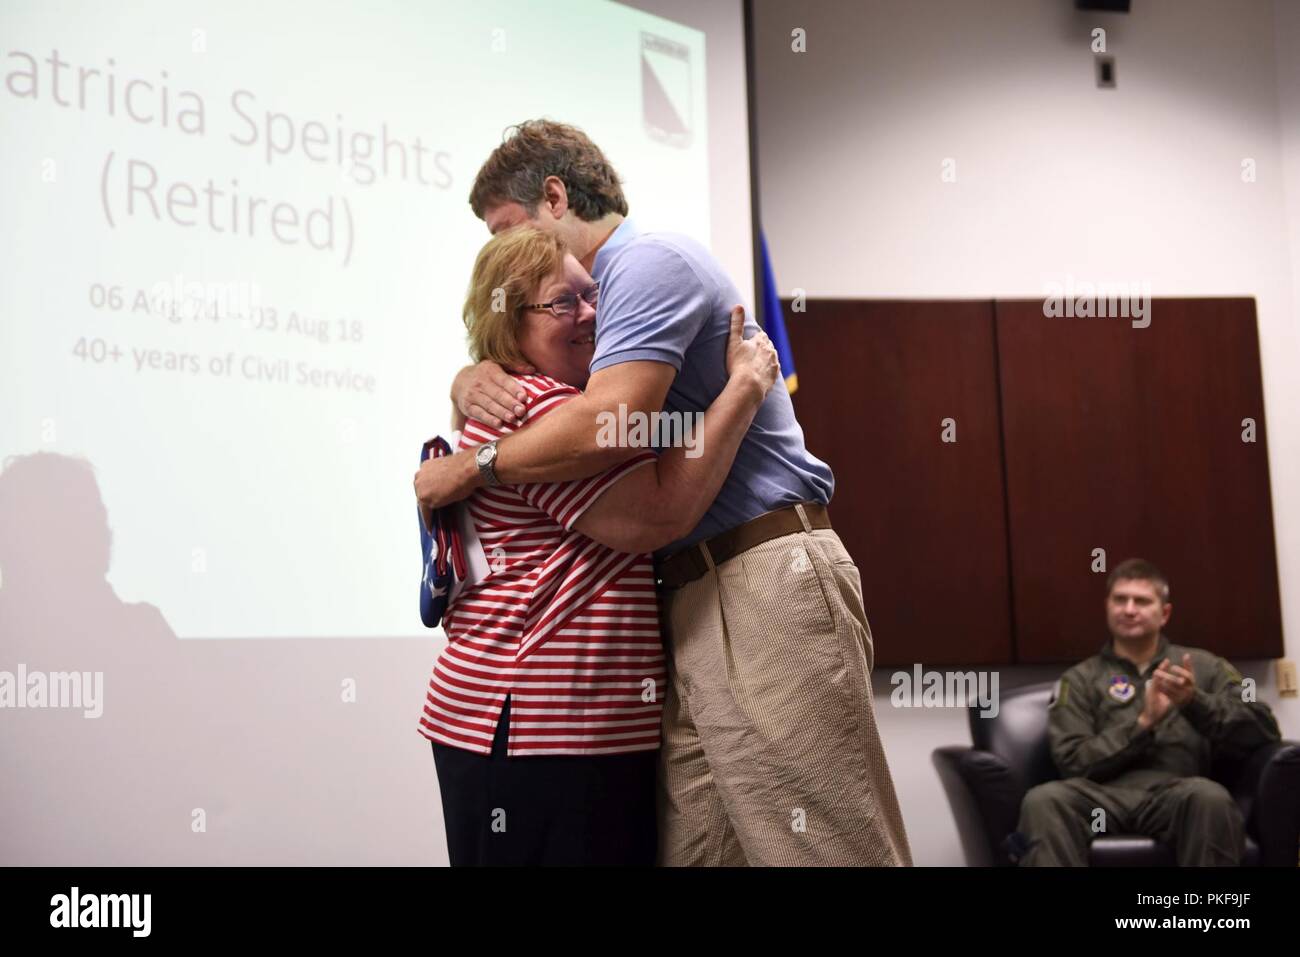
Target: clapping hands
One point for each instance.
(1170, 686)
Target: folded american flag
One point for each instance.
(443, 550)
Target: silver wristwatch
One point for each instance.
(486, 460)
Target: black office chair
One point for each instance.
(985, 784)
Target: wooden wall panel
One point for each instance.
(925, 521)
(1131, 440)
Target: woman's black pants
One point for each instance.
(546, 809)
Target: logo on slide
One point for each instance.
(666, 90)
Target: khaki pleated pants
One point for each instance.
(771, 755)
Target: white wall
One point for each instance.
(1055, 178)
(1286, 25)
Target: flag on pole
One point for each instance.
(774, 321)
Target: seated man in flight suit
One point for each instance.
(1133, 730)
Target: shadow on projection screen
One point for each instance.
(237, 291)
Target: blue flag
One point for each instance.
(774, 321)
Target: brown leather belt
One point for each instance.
(689, 564)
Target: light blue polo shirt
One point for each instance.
(663, 297)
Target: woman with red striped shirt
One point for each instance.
(544, 708)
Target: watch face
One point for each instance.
(484, 454)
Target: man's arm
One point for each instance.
(565, 445)
(1219, 711)
(560, 447)
(1078, 750)
(652, 507)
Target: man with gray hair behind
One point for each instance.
(1133, 731)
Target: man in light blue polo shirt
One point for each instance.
(771, 753)
(665, 299)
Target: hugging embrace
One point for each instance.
(669, 661)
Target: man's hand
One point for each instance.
(487, 392)
(442, 481)
(1155, 703)
(1177, 683)
(752, 359)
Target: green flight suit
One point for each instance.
(1149, 782)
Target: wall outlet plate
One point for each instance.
(1287, 684)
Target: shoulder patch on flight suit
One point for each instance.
(1121, 689)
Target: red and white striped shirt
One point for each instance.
(565, 626)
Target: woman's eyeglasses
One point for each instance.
(566, 306)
